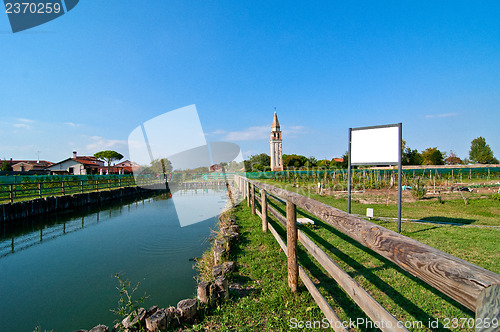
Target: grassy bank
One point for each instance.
(268, 304)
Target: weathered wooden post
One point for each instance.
(62, 187)
(40, 189)
(11, 193)
(81, 186)
(252, 198)
(488, 309)
(247, 188)
(291, 243)
(263, 204)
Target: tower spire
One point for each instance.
(276, 124)
(276, 147)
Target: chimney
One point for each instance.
(74, 154)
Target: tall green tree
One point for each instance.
(108, 156)
(432, 156)
(480, 152)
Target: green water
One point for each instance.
(59, 273)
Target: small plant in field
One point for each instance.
(418, 189)
(126, 303)
(495, 196)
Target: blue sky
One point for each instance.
(85, 80)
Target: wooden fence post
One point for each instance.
(247, 189)
(263, 204)
(252, 198)
(11, 193)
(81, 186)
(488, 309)
(40, 190)
(62, 187)
(291, 243)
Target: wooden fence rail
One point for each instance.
(474, 287)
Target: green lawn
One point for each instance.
(272, 307)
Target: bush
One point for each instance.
(418, 190)
(496, 196)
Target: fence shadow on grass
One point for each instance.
(449, 221)
(368, 273)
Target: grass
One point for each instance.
(271, 307)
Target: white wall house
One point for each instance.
(77, 165)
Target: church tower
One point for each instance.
(276, 147)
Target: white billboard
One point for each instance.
(378, 145)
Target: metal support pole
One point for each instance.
(349, 173)
(400, 171)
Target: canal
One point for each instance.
(57, 273)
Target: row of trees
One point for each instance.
(480, 153)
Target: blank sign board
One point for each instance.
(375, 145)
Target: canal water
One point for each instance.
(58, 273)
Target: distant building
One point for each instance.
(77, 165)
(215, 168)
(28, 165)
(125, 167)
(276, 146)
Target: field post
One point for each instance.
(252, 198)
(81, 186)
(488, 309)
(40, 189)
(263, 204)
(62, 187)
(291, 243)
(119, 182)
(11, 193)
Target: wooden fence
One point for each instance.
(10, 192)
(474, 287)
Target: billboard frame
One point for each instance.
(399, 164)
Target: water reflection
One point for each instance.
(60, 268)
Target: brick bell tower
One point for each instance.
(276, 147)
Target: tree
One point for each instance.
(432, 156)
(160, 166)
(453, 159)
(480, 152)
(294, 161)
(412, 157)
(6, 166)
(258, 162)
(325, 163)
(108, 156)
(345, 160)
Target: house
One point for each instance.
(29, 165)
(125, 167)
(215, 168)
(77, 165)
